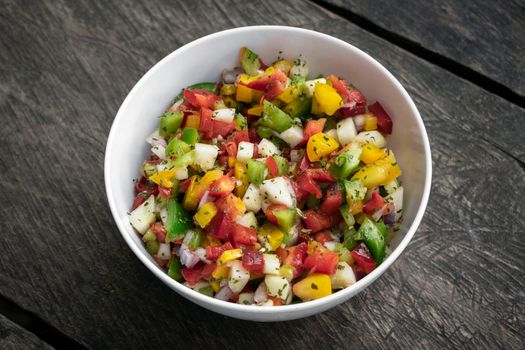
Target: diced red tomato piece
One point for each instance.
(208, 269)
(229, 205)
(269, 212)
(333, 200)
(304, 163)
(272, 166)
(321, 175)
(194, 274)
(316, 221)
(241, 135)
(294, 256)
(160, 231)
(145, 185)
(200, 98)
(212, 253)
(323, 237)
(183, 185)
(222, 186)
(375, 203)
(246, 236)
(139, 199)
(210, 128)
(340, 86)
(164, 192)
(253, 261)
(231, 148)
(221, 226)
(254, 137)
(272, 84)
(384, 122)
(307, 185)
(322, 260)
(221, 128)
(363, 259)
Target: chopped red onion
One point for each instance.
(207, 197)
(224, 294)
(187, 257)
(261, 293)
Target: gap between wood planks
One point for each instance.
(37, 326)
(416, 49)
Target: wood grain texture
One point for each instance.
(13, 337)
(487, 36)
(66, 67)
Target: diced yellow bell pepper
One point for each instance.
(320, 145)
(370, 153)
(379, 173)
(205, 214)
(245, 94)
(327, 99)
(289, 94)
(229, 255)
(215, 285)
(312, 246)
(370, 122)
(193, 121)
(316, 109)
(211, 241)
(272, 235)
(356, 207)
(240, 173)
(221, 271)
(164, 178)
(231, 161)
(228, 89)
(197, 188)
(312, 287)
(256, 110)
(284, 66)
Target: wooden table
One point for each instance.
(68, 279)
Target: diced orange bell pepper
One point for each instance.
(193, 121)
(197, 188)
(320, 145)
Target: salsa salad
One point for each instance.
(268, 187)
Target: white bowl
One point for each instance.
(203, 60)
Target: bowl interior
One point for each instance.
(204, 60)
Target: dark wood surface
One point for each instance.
(14, 337)
(485, 36)
(67, 66)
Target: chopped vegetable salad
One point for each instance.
(269, 187)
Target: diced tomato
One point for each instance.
(208, 269)
(253, 261)
(323, 237)
(222, 186)
(307, 185)
(145, 185)
(295, 257)
(241, 135)
(304, 163)
(333, 200)
(272, 166)
(364, 261)
(212, 253)
(221, 226)
(231, 148)
(194, 274)
(139, 199)
(159, 230)
(384, 122)
(321, 175)
(210, 128)
(229, 205)
(272, 84)
(322, 260)
(164, 192)
(200, 98)
(221, 128)
(254, 137)
(340, 86)
(375, 203)
(316, 221)
(303, 237)
(312, 127)
(183, 185)
(246, 236)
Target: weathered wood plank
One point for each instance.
(14, 337)
(486, 36)
(460, 283)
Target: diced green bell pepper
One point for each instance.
(175, 267)
(177, 148)
(264, 132)
(382, 228)
(185, 160)
(149, 236)
(206, 291)
(349, 240)
(152, 247)
(179, 221)
(346, 163)
(355, 191)
(285, 218)
(347, 215)
(249, 61)
(190, 135)
(342, 251)
(275, 118)
(195, 240)
(170, 122)
(256, 171)
(373, 238)
(299, 108)
(282, 164)
(241, 121)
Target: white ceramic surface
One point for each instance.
(203, 60)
